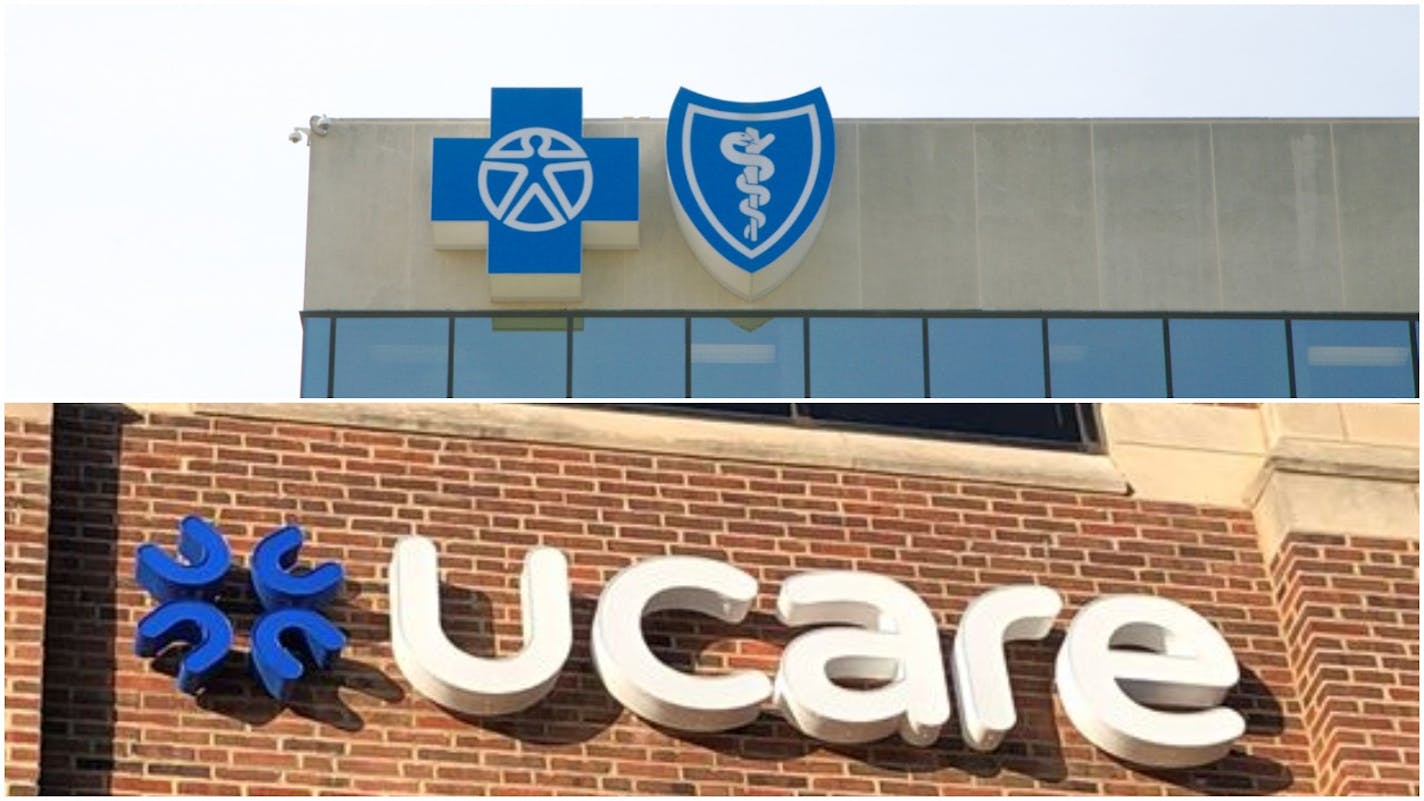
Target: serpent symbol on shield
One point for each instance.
(749, 183)
(756, 169)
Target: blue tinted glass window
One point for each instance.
(629, 357)
(316, 346)
(986, 358)
(511, 357)
(1352, 359)
(867, 357)
(391, 357)
(1106, 358)
(748, 357)
(1228, 358)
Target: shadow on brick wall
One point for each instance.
(1239, 772)
(236, 693)
(78, 706)
(579, 709)
(1032, 750)
(576, 710)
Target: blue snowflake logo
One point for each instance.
(186, 590)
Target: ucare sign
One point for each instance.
(1142, 677)
(748, 183)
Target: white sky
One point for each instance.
(155, 213)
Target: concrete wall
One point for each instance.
(1200, 215)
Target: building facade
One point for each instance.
(1292, 529)
(956, 258)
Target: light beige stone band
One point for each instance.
(1349, 469)
(571, 424)
(1321, 468)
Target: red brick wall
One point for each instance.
(115, 723)
(27, 454)
(1350, 608)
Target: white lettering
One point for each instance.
(897, 641)
(1186, 664)
(455, 679)
(981, 674)
(1141, 677)
(641, 681)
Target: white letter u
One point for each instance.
(471, 684)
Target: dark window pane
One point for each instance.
(1106, 358)
(1055, 422)
(1034, 424)
(759, 412)
(1229, 358)
(391, 357)
(316, 348)
(867, 357)
(986, 358)
(748, 357)
(1352, 359)
(511, 357)
(629, 357)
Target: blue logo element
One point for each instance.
(290, 601)
(535, 194)
(277, 587)
(200, 575)
(188, 613)
(749, 183)
(274, 663)
(198, 623)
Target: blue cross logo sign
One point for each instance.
(535, 194)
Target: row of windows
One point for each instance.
(610, 356)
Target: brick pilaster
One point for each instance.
(27, 488)
(1350, 615)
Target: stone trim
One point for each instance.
(29, 412)
(573, 425)
(1342, 460)
(1309, 487)
(1185, 453)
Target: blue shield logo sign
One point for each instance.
(749, 183)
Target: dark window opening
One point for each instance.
(1058, 425)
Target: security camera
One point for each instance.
(320, 124)
(295, 136)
